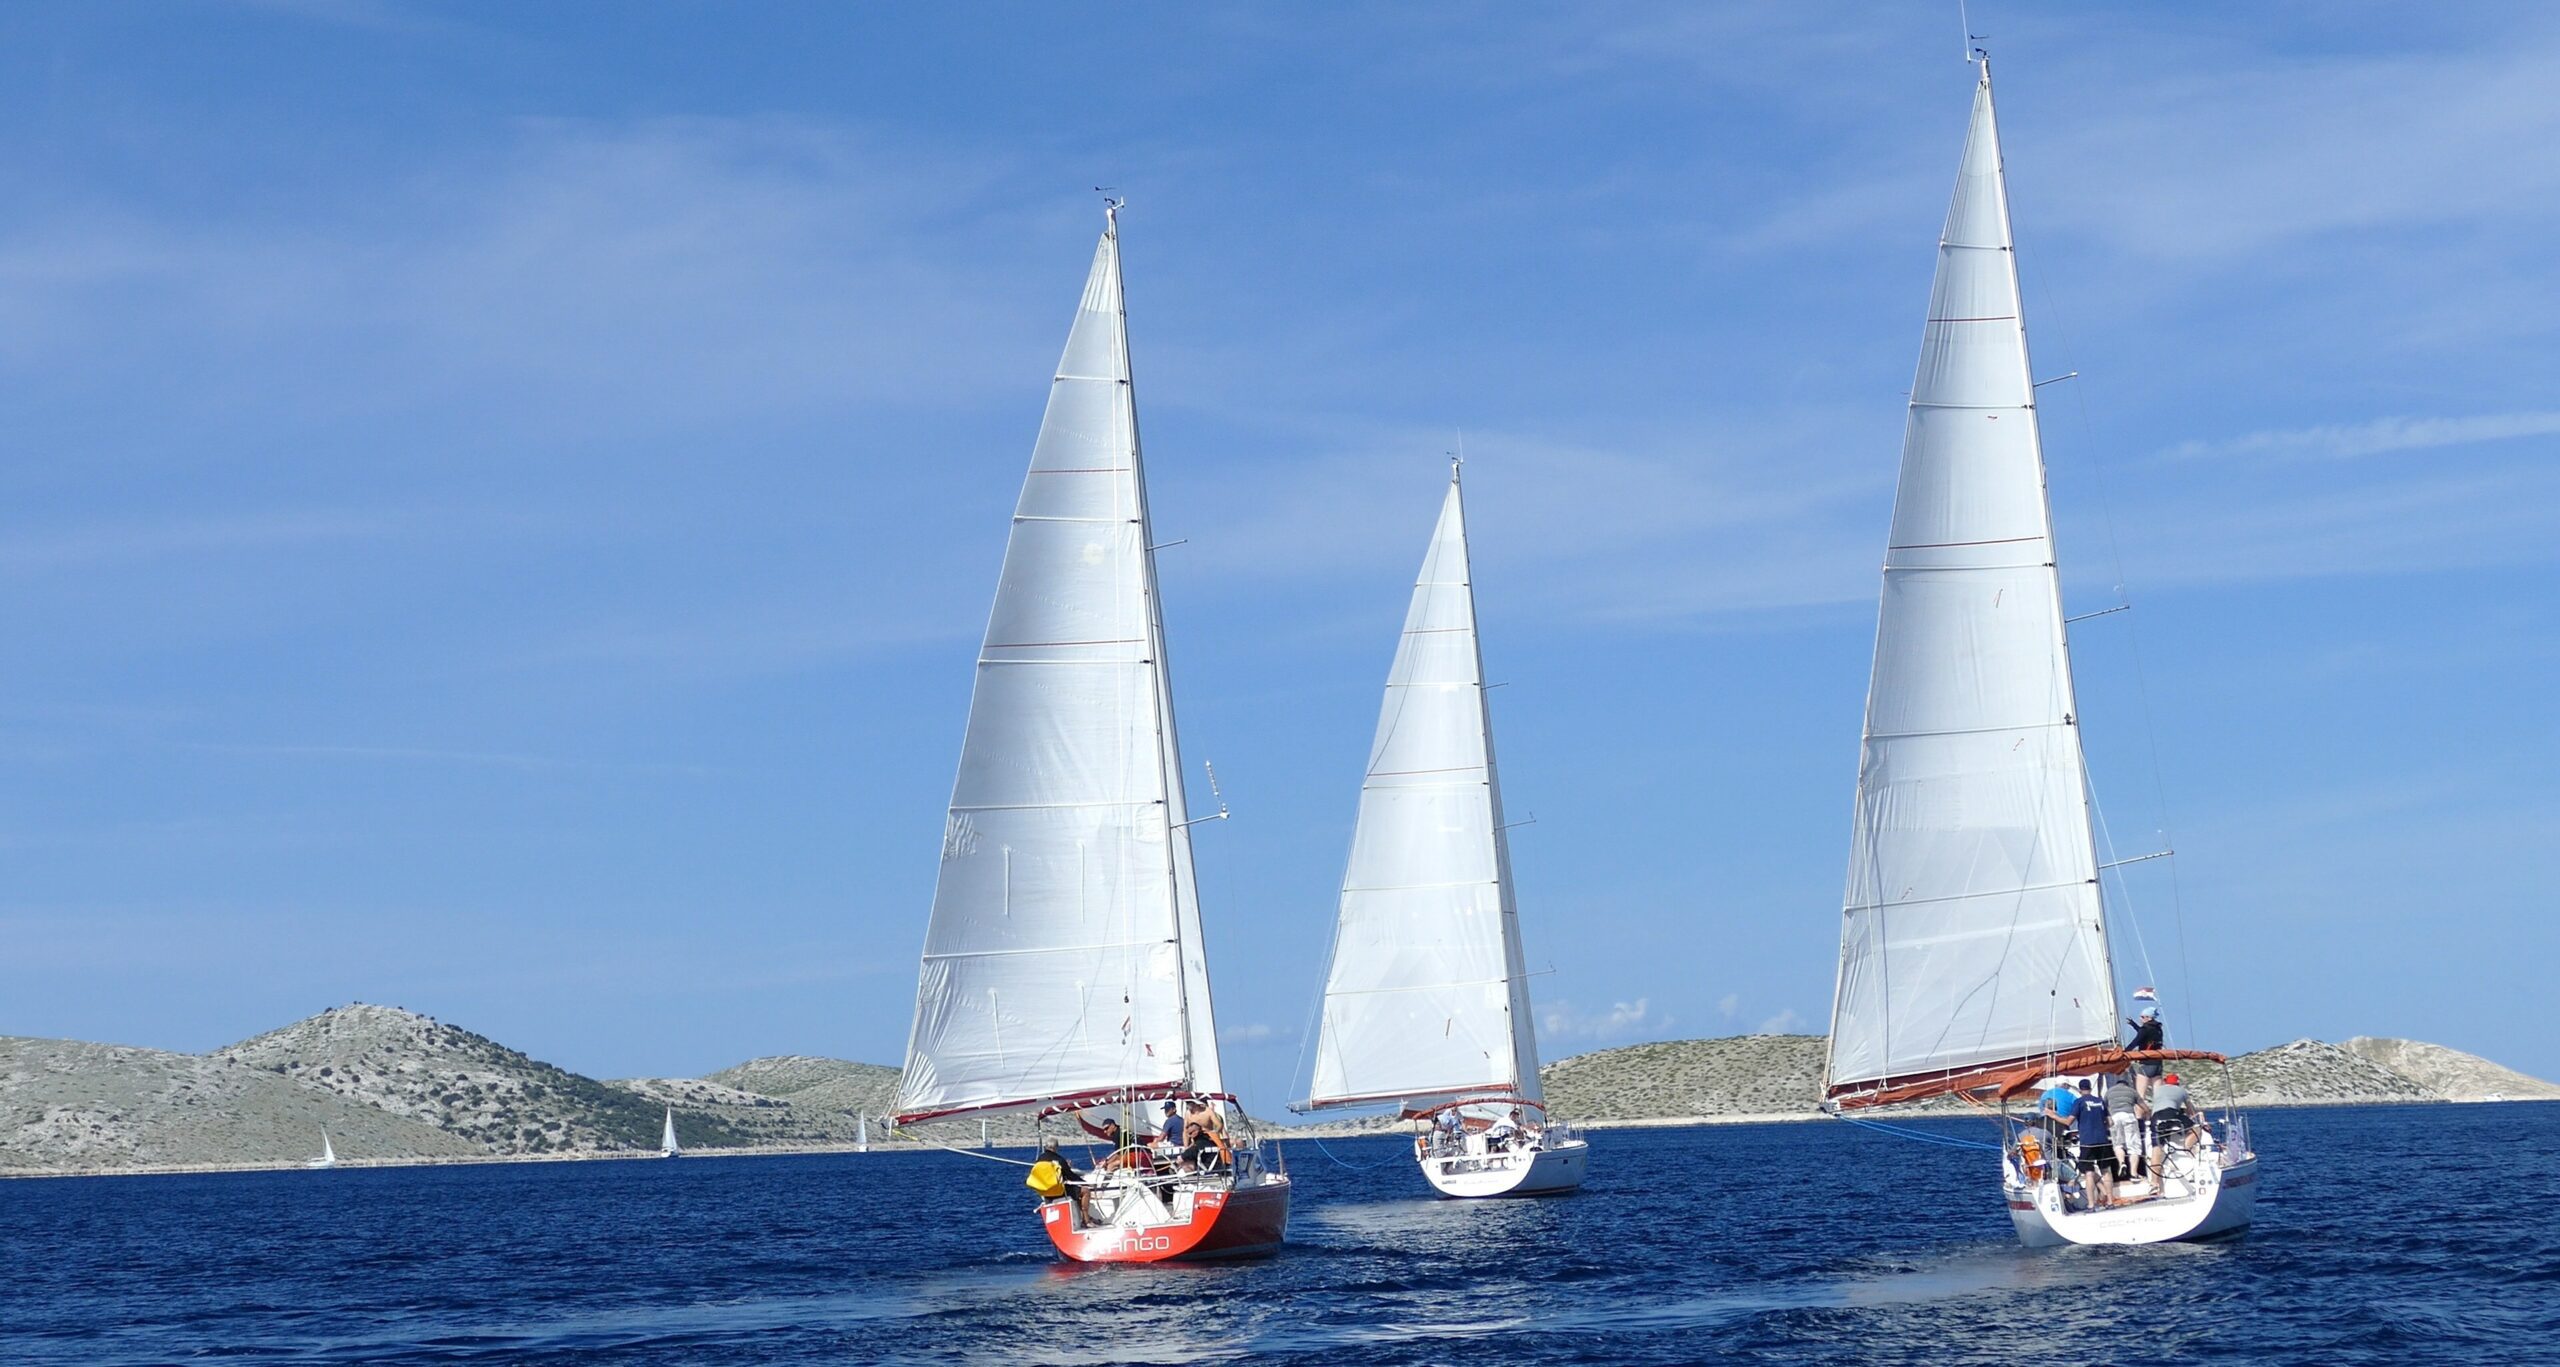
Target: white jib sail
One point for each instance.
(1063, 959)
(667, 1140)
(1427, 996)
(1972, 931)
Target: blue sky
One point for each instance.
(500, 501)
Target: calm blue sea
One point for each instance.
(2384, 1235)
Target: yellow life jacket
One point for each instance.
(1048, 1179)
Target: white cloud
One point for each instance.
(1251, 1034)
(1784, 1023)
(577, 279)
(1622, 1021)
(2341, 441)
(1731, 1003)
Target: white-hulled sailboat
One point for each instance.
(328, 1154)
(667, 1145)
(1973, 956)
(1426, 1000)
(1063, 968)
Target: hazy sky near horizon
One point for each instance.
(501, 501)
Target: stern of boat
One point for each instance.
(2207, 1195)
(1476, 1171)
(1129, 1218)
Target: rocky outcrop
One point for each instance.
(1743, 1075)
(393, 1085)
(2450, 1073)
(68, 1106)
(822, 1096)
(2306, 1072)
(466, 1085)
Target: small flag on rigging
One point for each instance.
(2145, 994)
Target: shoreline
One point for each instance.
(905, 1146)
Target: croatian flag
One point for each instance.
(2144, 994)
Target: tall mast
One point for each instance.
(1524, 1027)
(2097, 941)
(1200, 1028)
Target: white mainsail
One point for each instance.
(1973, 933)
(667, 1139)
(1427, 996)
(1064, 959)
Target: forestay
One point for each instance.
(1064, 959)
(1426, 996)
(1972, 934)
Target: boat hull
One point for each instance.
(1537, 1172)
(1246, 1221)
(2214, 1202)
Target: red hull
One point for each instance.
(1224, 1224)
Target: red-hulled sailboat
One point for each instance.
(1063, 968)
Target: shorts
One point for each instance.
(2099, 1158)
(2168, 1125)
(2148, 1067)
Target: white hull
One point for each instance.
(1532, 1172)
(2199, 1200)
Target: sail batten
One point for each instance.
(1426, 995)
(1063, 954)
(1972, 934)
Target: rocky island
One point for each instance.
(390, 1085)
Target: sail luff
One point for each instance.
(2094, 943)
(1053, 964)
(1199, 1016)
(1972, 932)
(1425, 994)
(1524, 1025)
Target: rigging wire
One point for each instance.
(1340, 1162)
(1921, 1136)
(2150, 730)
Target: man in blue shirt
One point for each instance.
(2097, 1157)
(2054, 1109)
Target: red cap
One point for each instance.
(2173, 1077)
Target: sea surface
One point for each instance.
(2384, 1235)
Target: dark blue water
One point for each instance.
(2386, 1235)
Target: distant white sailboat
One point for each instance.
(1974, 956)
(1426, 999)
(667, 1145)
(861, 1133)
(328, 1154)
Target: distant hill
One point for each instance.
(2451, 1073)
(464, 1084)
(830, 1092)
(2306, 1072)
(67, 1105)
(393, 1085)
(1781, 1075)
(1740, 1075)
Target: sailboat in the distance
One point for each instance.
(1974, 958)
(667, 1145)
(328, 1154)
(1063, 968)
(1426, 1002)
